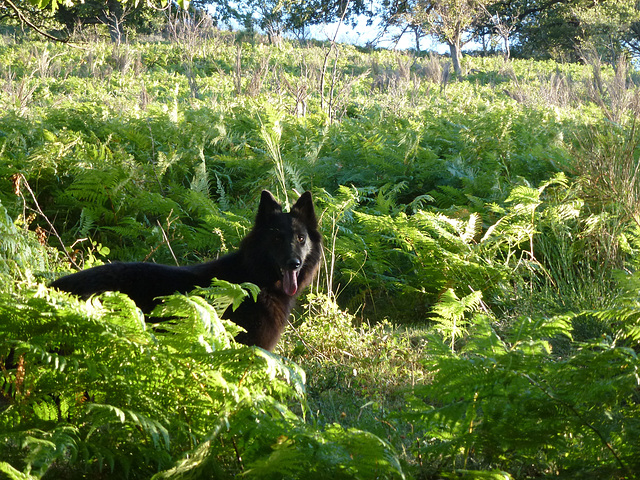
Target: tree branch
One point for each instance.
(24, 19)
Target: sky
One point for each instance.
(362, 34)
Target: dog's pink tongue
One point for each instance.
(290, 282)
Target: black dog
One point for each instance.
(280, 255)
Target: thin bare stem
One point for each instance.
(326, 57)
(39, 211)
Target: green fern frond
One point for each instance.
(524, 195)
(200, 181)
(197, 317)
(540, 329)
(419, 202)
(223, 198)
(86, 223)
(450, 312)
(13, 474)
(472, 228)
(102, 188)
(446, 196)
(165, 161)
(295, 177)
(102, 415)
(511, 391)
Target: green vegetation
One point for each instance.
(542, 29)
(476, 314)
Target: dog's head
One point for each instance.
(289, 242)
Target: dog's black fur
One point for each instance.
(280, 255)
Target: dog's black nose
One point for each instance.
(294, 264)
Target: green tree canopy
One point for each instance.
(564, 29)
(44, 15)
(450, 21)
(276, 16)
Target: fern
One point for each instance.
(86, 223)
(424, 196)
(302, 451)
(200, 181)
(418, 255)
(88, 387)
(157, 388)
(13, 474)
(450, 312)
(508, 400)
(222, 194)
(21, 254)
(622, 319)
(271, 135)
(295, 176)
(165, 162)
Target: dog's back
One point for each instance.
(281, 255)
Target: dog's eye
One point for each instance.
(301, 238)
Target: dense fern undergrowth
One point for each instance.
(476, 314)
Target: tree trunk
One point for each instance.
(454, 48)
(114, 20)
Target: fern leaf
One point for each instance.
(473, 227)
(200, 180)
(14, 474)
(450, 313)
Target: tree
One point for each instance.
(631, 38)
(29, 15)
(268, 15)
(91, 12)
(451, 21)
(304, 13)
(276, 16)
(38, 14)
(603, 24)
(400, 14)
(503, 26)
(562, 29)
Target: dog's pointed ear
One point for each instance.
(268, 206)
(304, 210)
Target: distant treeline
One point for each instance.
(559, 29)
